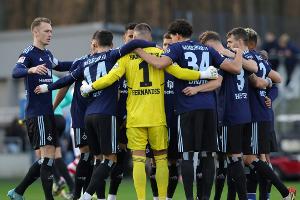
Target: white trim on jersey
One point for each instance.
(113, 135)
(41, 130)
(254, 140)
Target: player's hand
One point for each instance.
(43, 88)
(85, 89)
(268, 102)
(210, 73)
(40, 69)
(237, 50)
(190, 91)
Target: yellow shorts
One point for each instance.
(138, 137)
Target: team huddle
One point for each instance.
(162, 103)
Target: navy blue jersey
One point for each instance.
(260, 112)
(193, 55)
(96, 66)
(37, 104)
(169, 99)
(121, 109)
(79, 103)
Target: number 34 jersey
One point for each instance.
(145, 83)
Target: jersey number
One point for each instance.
(192, 60)
(263, 68)
(241, 80)
(144, 66)
(101, 71)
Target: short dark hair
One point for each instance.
(104, 38)
(252, 35)
(167, 36)
(142, 27)
(130, 26)
(181, 27)
(209, 35)
(239, 33)
(37, 21)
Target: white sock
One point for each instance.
(168, 198)
(155, 198)
(86, 196)
(101, 199)
(111, 197)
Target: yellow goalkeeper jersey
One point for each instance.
(145, 83)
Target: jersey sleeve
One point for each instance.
(217, 58)
(115, 54)
(21, 68)
(173, 52)
(182, 73)
(221, 72)
(113, 75)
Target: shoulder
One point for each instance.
(28, 50)
(154, 50)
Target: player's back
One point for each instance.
(145, 102)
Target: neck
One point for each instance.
(38, 45)
(102, 49)
(183, 39)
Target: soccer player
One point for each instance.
(261, 125)
(100, 122)
(145, 109)
(173, 154)
(117, 172)
(78, 107)
(196, 114)
(35, 64)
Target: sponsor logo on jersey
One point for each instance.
(40, 59)
(21, 59)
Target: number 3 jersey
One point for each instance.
(233, 98)
(145, 102)
(193, 55)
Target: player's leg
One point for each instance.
(152, 173)
(34, 171)
(137, 141)
(206, 134)
(117, 173)
(234, 137)
(261, 168)
(106, 131)
(173, 157)
(186, 140)
(158, 139)
(85, 165)
(221, 168)
(59, 165)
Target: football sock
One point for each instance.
(162, 175)
(269, 184)
(100, 190)
(32, 174)
(231, 189)
(117, 173)
(47, 177)
(139, 176)
(173, 179)
(251, 177)
(84, 167)
(153, 181)
(205, 175)
(266, 172)
(236, 174)
(221, 173)
(187, 171)
(62, 167)
(99, 176)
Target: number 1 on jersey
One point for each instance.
(144, 66)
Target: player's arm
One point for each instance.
(274, 76)
(232, 66)
(207, 87)
(189, 75)
(62, 82)
(260, 83)
(158, 62)
(129, 47)
(113, 75)
(60, 96)
(249, 65)
(22, 68)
